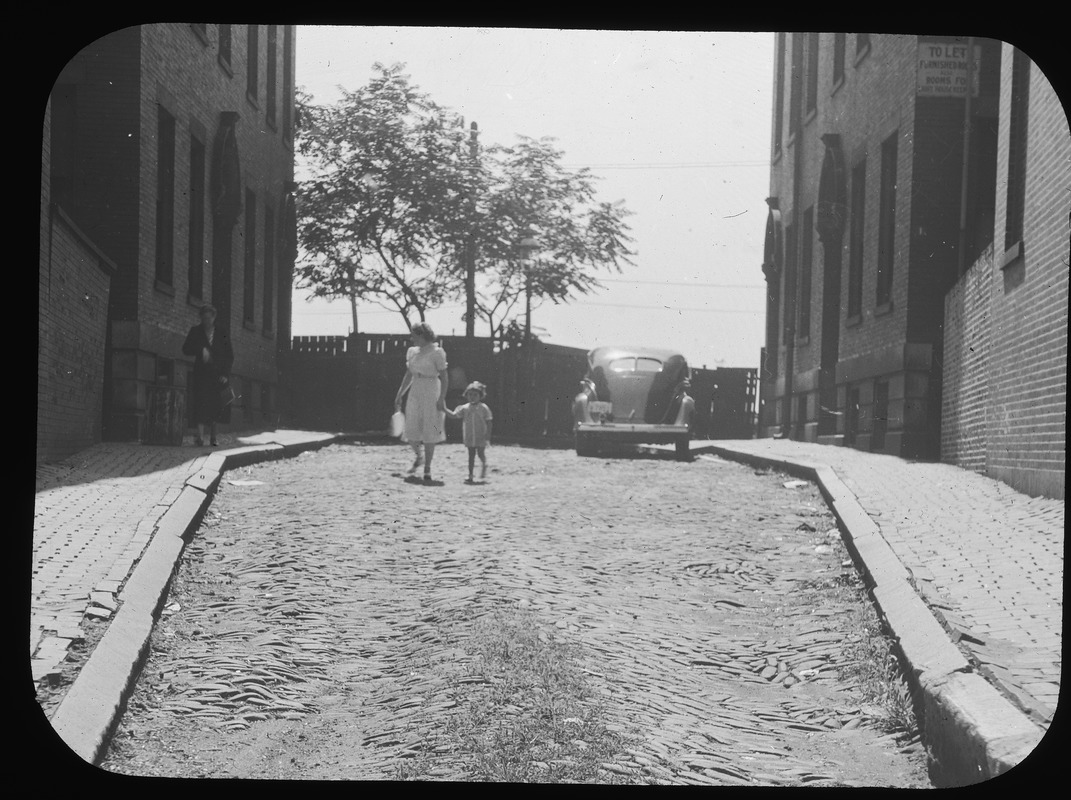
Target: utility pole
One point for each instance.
(528, 246)
(470, 246)
(527, 309)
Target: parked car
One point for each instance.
(634, 395)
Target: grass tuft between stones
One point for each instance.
(534, 717)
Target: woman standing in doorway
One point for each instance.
(212, 360)
(425, 408)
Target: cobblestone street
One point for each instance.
(321, 623)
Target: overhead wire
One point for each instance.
(671, 165)
(579, 304)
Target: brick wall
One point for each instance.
(183, 70)
(72, 325)
(120, 83)
(968, 322)
(886, 70)
(101, 198)
(74, 280)
(1028, 396)
(885, 356)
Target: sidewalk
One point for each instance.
(967, 573)
(108, 530)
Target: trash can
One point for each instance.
(165, 418)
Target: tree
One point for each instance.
(384, 210)
(530, 194)
(394, 202)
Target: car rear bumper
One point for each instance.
(642, 433)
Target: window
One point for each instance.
(796, 87)
(887, 221)
(250, 277)
(273, 42)
(197, 218)
(1017, 130)
(648, 365)
(252, 79)
(839, 40)
(165, 196)
(812, 72)
(790, 283)
(288, 86)
(856, 229)
(806, 251)
(269, 268)
(225, 46)
(779, 99)
(630, 364)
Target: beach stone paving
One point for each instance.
(320, 625)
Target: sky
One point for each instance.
(674, 124)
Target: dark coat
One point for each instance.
(207, 405)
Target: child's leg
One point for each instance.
(472, 460)
(482, 453)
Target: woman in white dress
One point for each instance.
(425, 408)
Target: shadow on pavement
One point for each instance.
(109, 460)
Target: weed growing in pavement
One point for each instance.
(870, 662)
(528, 713)
(876, 669)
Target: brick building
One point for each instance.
(74, 282)
(167, 183)
(1004, 404)
(865, 234)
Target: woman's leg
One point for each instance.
(212, 432)
(429, 454)
(200, 433)
(417, 459)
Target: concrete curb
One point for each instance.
(971, 731)
(95, 702)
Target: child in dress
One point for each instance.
(475, 419)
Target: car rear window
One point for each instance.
(635, 365)
(648, 365)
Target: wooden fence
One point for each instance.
(349, 383)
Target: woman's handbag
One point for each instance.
(397, 424)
